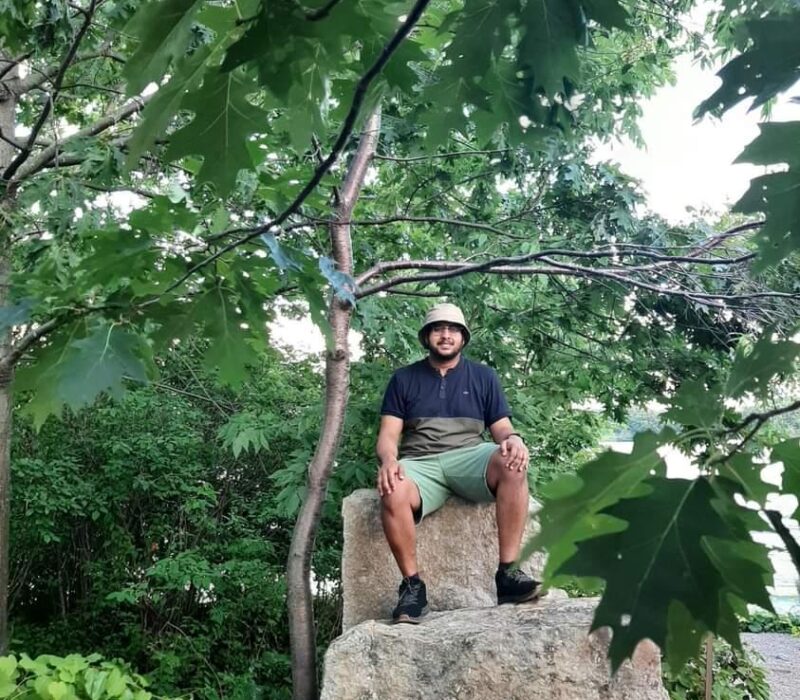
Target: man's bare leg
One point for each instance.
(511, 494)
(397, 517)
(510, 487)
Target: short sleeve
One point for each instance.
(393, 401)
(496, 406)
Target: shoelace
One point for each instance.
(410, 592)
(517, 575)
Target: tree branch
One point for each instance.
(49, 154)
(507, 266)
(50, 103)
(436, 156)
(791, 544)
(346, 130)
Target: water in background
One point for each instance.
(785, 594)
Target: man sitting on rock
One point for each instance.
(430, 446)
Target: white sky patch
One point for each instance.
(688, 165)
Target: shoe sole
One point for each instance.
(534, 595)
(409, 620)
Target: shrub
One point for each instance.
(737, 676)
(72, 677)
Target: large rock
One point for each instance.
(456, 553)
(540, 650)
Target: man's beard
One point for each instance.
(452, 351)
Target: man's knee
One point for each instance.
(502, 474)
(405, 495)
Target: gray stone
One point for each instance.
(540, 650)
(456, 553)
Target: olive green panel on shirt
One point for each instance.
(429, 436)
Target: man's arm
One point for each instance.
(512, 447)
(386, 448)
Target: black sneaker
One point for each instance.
(515, 586)
(413, 603)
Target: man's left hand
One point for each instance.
(515, 452)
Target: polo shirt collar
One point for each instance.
(453, 370)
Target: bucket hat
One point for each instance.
(443, 313)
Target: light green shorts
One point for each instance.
(461, 472)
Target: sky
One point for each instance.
(689, 164)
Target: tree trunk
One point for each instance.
(337, 382)
(7, 125)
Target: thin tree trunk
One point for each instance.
(337, 383)
(7, 124)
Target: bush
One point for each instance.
(786, 623)
(73, 677)
(737, 676)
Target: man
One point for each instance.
(430, 445)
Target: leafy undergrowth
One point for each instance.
(73, 677)
(786, 623)
(737, 676)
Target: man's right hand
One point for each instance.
(389, 474)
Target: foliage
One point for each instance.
(768, 622)
(737, 676)
(484, 164)
(159, 545)
(73, 677)
(593, 522)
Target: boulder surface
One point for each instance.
(456, 553)
(540, 650)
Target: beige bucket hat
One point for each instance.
(443, 313)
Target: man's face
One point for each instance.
(445, 341)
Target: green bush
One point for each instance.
(72, 677)
(786, 623)
(737, 676)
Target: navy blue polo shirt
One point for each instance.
(442, 413)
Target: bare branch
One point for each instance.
(509, 266)
(10, 63)
(15, 164)
(791, 544)
(18, 348)
(758, 420)
(436, 156)
(49, 155)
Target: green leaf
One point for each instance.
(752, 371)
(15, 314)
(770, 66)
(788, 452)
(75, 372)
(115, 685)
(695, 405)
(775, 144)
(684, 634)
(777, 194)
(746, 474)
(163, 28)
(676, 547)
(57, 690)
(8, 675)
(280, 257)
(552, 31)
(224, 122)
(94, 682)
(570, 514)
(232, 347)
(165, 103)
(343, 285)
